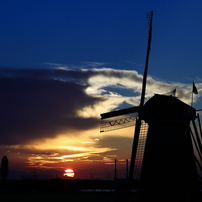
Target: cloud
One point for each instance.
(123, 80)
(40, 108)
(94, 64)
(57, 110)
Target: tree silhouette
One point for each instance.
(4, 170)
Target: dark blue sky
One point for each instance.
(34, 33)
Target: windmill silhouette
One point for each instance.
(166, 151)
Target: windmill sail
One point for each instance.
(123, 121)
(118, 119)
(139, 121)
(140, 150)
(196, 134)
(124, 118)
(149, 19)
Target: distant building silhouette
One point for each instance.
(4, 170)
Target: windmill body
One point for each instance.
(168, 165)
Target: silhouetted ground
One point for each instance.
(61, 190)
(56, 185)
(98, 197)
(65, 190)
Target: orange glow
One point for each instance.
(69, 173)
(81, 153)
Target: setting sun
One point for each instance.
(69, 173)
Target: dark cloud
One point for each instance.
(41, 73)
(33, 105)
(69, 74)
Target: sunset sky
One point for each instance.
(63, 63)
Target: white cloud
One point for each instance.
(94, 64)
(121, 80)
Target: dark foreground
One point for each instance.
(25, 197)
(66, 190)
(62, 190)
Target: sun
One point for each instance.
(69, 173)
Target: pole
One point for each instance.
(192, 99)
(126, 168)
(115, 169)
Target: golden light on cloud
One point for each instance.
(69, 173)
(65, 148)
(41, 159)
(86, 147)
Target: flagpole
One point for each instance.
(192, 93)
(192, 98)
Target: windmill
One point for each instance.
(155, 122)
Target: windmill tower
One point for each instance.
(169, 170)
(165, 152)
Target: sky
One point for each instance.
(63, 63)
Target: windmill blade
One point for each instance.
(140, 150)
(199, 165)
(197, 135)
(199, 124)
(197, 145)
(118, 122)
(119, 112)
(124, 118)
(118, 119)
(139, 120)
(149, 18)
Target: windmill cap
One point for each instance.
(168, 107)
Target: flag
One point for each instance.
(195, 91)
